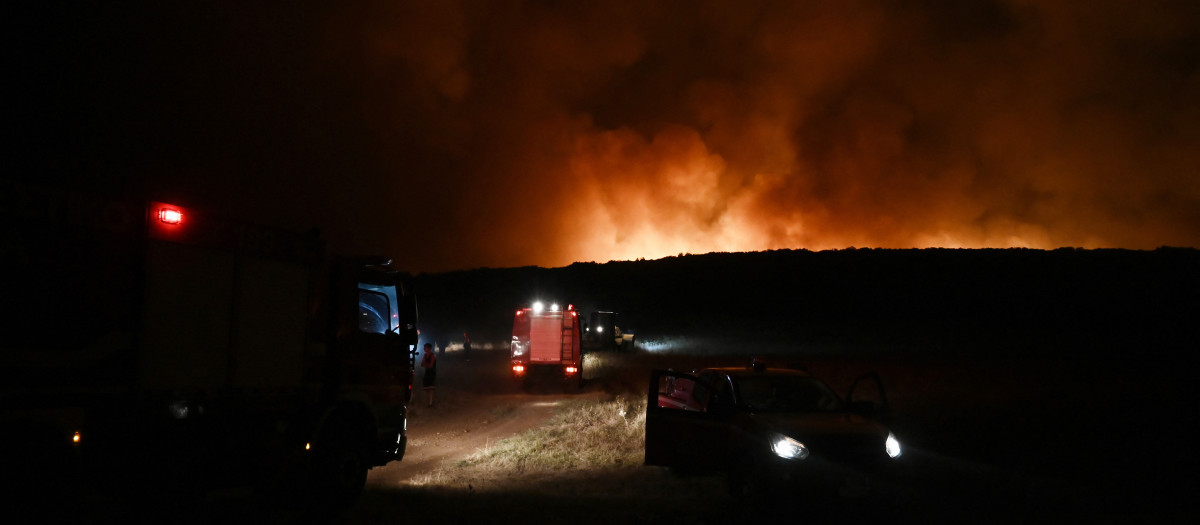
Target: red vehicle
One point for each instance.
(546, 344)
(158, 342)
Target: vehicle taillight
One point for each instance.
(519, 369)
(571, 370)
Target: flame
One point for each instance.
(457, 134)
(615, 133)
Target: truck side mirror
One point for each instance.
(408, 324)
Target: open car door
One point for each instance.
(681, 432)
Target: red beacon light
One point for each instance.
(165, 221)
(170, 215)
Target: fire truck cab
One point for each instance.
(162, 348)
(546, 345)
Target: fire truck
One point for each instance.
(155, 347)
(546, 345)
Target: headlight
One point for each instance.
(788, 448)
(892, 445)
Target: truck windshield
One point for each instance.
(377, 309)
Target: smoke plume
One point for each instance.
(508, 133)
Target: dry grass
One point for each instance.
(592, 436)
(584, 465)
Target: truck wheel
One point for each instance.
(338, 477)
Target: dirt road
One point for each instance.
(476, 405)
(456, 428)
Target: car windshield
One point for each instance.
(767, 393)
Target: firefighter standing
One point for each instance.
(429, 380)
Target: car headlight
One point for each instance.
(892, 445)
(788, 448)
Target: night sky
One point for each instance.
(455, 135)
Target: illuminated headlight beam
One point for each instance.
(892, 445)
(788, 448)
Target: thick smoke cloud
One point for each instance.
(608, 130)
(507, 133)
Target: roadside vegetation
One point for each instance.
(594, 436)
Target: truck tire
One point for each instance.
(338, 469)
(338, 478)
(40, 464)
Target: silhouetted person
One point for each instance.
(466, 345)
(429, 380)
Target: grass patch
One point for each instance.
(596, 437)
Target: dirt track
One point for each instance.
(477, 404)
(459, 427)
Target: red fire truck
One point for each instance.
(546, 345)
(153, 346)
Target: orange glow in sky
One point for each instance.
(615, 131)
(463, 134)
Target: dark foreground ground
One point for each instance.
(1044, 441)
(1001, 441)
(1026, 386)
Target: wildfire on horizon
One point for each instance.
(613, 132)
(468, 134)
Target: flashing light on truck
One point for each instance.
(170, 215)
(166, 221)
